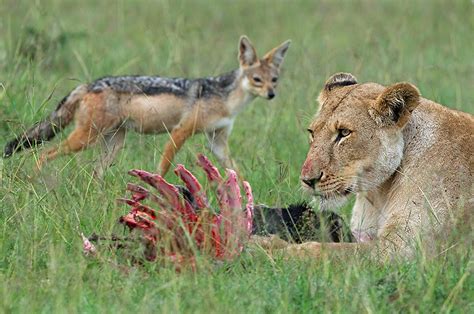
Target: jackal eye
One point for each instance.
(257, 79)
(274, 79)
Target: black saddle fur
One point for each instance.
(301, 223)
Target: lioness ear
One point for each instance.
(395, 105)
(277, 54)
(338, 80)
(247, 54)
(335, 81)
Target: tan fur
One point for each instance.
(409, 161)
(108, 114)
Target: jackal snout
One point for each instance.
(271, 94)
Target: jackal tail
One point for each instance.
(49, 127)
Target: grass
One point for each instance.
(47, 47)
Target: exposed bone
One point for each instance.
(87, 247)
(166, 231)
(232, 188)
(249, 207)
(193, 186)
(213, 174)
(138, 207)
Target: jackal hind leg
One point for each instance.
(178, 136)
(78, 140)
(112, 143)
(92, 118)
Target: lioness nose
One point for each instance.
(311, 182)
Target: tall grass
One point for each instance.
(48, 47)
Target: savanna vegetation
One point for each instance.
(48, 47)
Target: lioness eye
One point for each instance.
(257, 79)
(342, 133)
(275, 79)
(311, 135)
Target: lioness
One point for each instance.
(408, 160)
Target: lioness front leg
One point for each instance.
(268, 242)
(316, 249)
(394, 240)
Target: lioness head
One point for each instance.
(356, 140)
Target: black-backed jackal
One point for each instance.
(108, 107)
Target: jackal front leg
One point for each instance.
(178, 136)
(218, 145)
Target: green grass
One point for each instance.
(428, 43)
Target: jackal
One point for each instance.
(106, 108)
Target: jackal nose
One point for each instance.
(311, 182)
(271, 94)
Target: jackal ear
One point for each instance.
(335, 81)
(247, 54)
(395, 105)
(277, 54)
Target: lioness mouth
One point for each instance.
(348, 190)
(345, 192)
